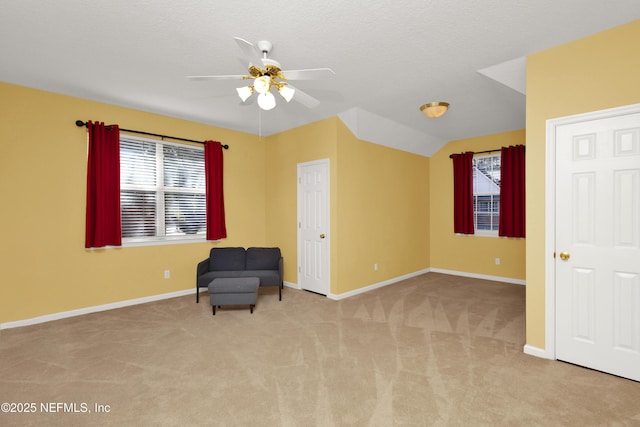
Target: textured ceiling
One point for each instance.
(389, 57)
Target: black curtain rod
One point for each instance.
(481, 152)
(80, 123)
(487, 151)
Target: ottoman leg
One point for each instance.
(251, 308)
(213, 308)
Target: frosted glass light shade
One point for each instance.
(287, 92)
(244, 92)
(262, 84)
(266, 101)
(434, 109)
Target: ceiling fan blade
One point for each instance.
(304, 98)
(309, 74)
(221, 77)
(249, 51)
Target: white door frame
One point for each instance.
(328, 218)
(549, 352)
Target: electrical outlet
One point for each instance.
(375, 267)
(497, 261)
(167, 274)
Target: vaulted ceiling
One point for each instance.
(389, 58)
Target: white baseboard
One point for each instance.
(537, 352)
(94, 309)
(143, 300)
(410, 275)
(292, 285)
(479, 276)
(375, 285)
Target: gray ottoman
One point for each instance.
(234, 290)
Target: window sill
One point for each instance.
(482, 233)
(479, 234)
(162, 242)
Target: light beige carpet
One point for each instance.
(434, 350)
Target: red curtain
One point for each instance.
(213, 167)
(512, 192)
(463, 193)
(103, 225)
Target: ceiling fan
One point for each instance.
(268, 74)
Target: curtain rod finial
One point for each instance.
(80, 123)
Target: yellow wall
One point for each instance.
(383, 212)
(471, 254)
(590, 74)
(379, 204)
(45, 268)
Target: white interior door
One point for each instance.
(313, 226)
(597, 262)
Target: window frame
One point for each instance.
(160, 190)
(483, 232)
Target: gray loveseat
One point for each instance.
(263, 263)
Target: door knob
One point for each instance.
(322, 236)
(565, 256)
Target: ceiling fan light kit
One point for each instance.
(263, 88)
(267, 73)
(265, 80)
(434, 109)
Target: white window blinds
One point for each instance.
(162, 190)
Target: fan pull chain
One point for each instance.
(260, 124)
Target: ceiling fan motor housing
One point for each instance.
(265, 46)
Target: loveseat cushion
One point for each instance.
(262, 258)
(205, 279)
(227, 259)
(267, 277)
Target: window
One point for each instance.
(486, 194)
(162, 191)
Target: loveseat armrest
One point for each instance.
(202, 268)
